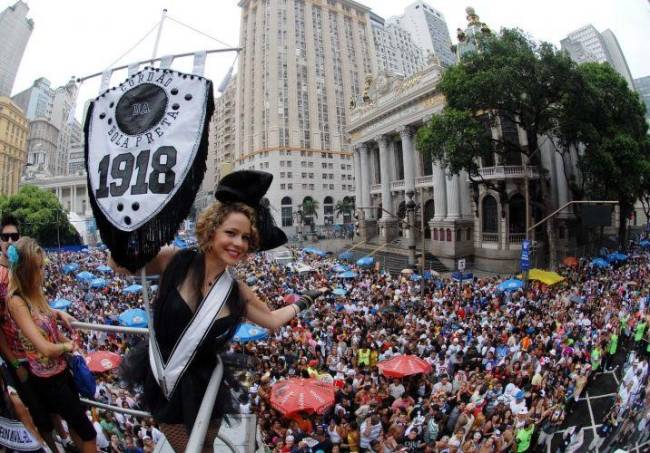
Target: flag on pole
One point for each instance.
(199, 62)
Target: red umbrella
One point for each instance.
(101, 361)
(291, 298)
(294, 395)
(403, 365)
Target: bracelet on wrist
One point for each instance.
(64, 347)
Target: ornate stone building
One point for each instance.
(462, 219)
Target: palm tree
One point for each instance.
(309, 210)
(343, 207)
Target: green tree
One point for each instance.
(41, 216)
(606, 121)
(510, 79)
(343, 207)
(309, 210)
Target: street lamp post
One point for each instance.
(410, 216)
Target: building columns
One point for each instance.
(408, 156)
(453, 197)
(365, 180)
(386, 200)
(388, 225)
(439, 192)
(358, 183)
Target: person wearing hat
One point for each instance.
(199, 306)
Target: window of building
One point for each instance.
(490, 215)
(287, 212)
(517, 214)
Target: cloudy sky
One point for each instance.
(80, 37)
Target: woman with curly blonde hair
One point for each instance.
(199, 305)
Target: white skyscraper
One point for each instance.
(397, 53)
(15, 30)
(428, 29)
(301, 64)
(587, 44)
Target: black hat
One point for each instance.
(249, 187)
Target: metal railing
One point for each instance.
(516, 238)
(490, 237)
(202, 421)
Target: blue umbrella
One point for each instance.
(599, 263)
(250, 332)
(340, 268)
(69, 268)
(104, 269)
(365, 261)
(645, 243)
(339, 292)
(85, 276)
(348, 274)
(616, 257)
(314, 251)
(512, 284)
(347, 255)
(132, 289)
(60, 304)
(180, 243)
(97, 283)
(133, 317)
(251, 280)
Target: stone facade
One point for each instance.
(462, 219)
(14, 130)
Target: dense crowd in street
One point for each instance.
(507, 366)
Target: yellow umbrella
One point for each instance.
(546, 277)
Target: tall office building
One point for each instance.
(15, 30)
(302, 63)
(221, 143)
(429, 30)
(52, 128)
(13, 145)
(642, 85)
(587, 44)
(397, 53)
(36, 101)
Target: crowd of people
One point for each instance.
(508, 367)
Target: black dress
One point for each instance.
(170, 316)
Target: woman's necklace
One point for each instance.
(207, 286)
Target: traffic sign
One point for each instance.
(461, 264)
(525, 255)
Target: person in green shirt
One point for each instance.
(639, 331)
(596, 356)
(523, 437)
(612, 347)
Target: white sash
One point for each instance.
(169, 374)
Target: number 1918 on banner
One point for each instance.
(160, 168)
